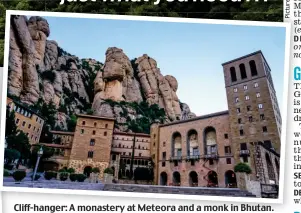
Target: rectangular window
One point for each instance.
(241, 132)
(90, 154)
(105, 133)
(113, 157)
(228, 160)
(238, 110)
(164, 155)
(192, 163)
(264, 129)
(163, 163)
(245, 159)
(17, 120)
(130, 153)
(23, 124)
(255, 85)
(250, 119)
(29, 126)
(94, 132)
(226, 136)
(227, 150)
(258, 94)
(239, 120)
(195, 151)
(211, 162)
(235, 90)
(245, 87)
(247, 97)
(82, 131)
(179, 152)
(176, 163)
(262, 117)
(243, 146)
(236, 100)
(92, 142)
(248, 108)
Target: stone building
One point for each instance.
(204, 150)
(27, 120)
(133, 150)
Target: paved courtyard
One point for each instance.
(56, 184)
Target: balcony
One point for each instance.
(176, 158)
(245, 152)
(193, 157)
(213, 156)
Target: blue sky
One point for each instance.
(193, 53)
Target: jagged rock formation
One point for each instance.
(41, 71)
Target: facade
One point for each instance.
(203, 151)
(200, 151)
(27, 120)
(132, 149)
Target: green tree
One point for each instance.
(10, 126)
(19, 142)
(47, 153)
(11, 155)
(23, 5)
(72, 123)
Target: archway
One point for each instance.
(176, 179)
(230, 179)
(127, 173)
(88, 171)
(193, 178)
(210, 144)
(212, 179)
(163, 179)
(271, 172)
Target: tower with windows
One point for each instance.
(254, 113)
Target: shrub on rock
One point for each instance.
(19, 175)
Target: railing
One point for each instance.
(245, 152)
(176, 158)
(193, 157)
(211, 156)
(269, 190)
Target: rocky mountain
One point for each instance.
(133, 91)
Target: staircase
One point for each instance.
(230, 192)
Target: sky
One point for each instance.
(192, 53)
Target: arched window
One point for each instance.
(210, 142)
(233, 74)
(176, 144)
(243, 72)
(192, 143)
(253, 68)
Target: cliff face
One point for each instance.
(41, 71)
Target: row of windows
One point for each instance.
(241, 131)
(26, 113)
(130, 154)
(243, 73)
(135, 162)
(245, 87)
(262, 118)
(130, 139)
(29, 125)
(95, 124)
(123, 146)
(32, 137)
(164, 143)
(82, 131)
(260, 106)
(195, 151)
(211, 162)
(247, 97)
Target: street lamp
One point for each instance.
(40, 153)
